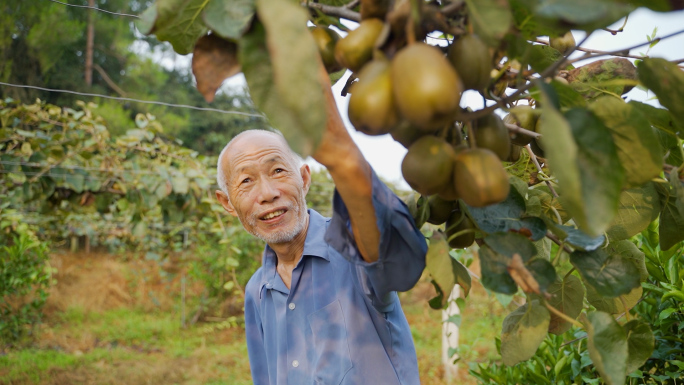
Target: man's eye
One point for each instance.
(279, 170)
(246, 180)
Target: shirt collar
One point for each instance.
(314, 245)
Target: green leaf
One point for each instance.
(660, 118)
(612, 77)
(445, 270)
(587, 15)
(611, 275)
(506, 216)
(175, 21)
(543, 56)
(627, 249)
(667, 81)
(506, 245)
(671, 225)
(613, 305)
(491, 19)
(280, 62)
(636, 209)
(582, 156)
(608, 347)
(577, 238)
(419, 209)
(637, 145)
(640, 343)
(567, 96)
(522, 332)
(568, 297)
(494, 268)
(511, 243)
(229, 18)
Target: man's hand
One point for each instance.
(351, 173)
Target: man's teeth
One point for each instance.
(274, 214)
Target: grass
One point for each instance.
(143, 345)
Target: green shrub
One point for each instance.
(565, 359)
(25, 276)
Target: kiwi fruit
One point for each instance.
(440, 209)
(406, 134)
(490, 133)
(563, 43)
(535, 144)
(524, 117)
(326, 39)
(371, 104)
(479, 177)
(472, 60)
(458, 221)
(428, 165)
(356, 49)
(427, 89)
(515, 153)
(374, 9)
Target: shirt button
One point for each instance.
(295, 363)
(269, 285)
(291, 306)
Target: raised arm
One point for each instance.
(352, 176)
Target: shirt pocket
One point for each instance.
(332, 357)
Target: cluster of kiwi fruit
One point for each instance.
(412, 91)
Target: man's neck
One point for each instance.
(288, 254)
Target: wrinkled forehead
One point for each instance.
(251, 145)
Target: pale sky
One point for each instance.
(385, 155)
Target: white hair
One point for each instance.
(221, 173)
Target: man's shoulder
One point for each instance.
(254, 284)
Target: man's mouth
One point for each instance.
(273, 214)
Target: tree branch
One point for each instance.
(108, 80)
(330, 10)
(519, 130)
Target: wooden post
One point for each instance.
(90, 42)
(450, 336)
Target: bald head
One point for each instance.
(247, 141)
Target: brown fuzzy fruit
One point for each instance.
(406, 134)
(472, 60)
(371, 104)
(440, 210)
(490, 133)
(479, 177)
(428, 165)
(356, 49)
(326, 39)
(427, 89)
(457, 222)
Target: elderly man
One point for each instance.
(323, 308)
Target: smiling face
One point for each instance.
(266, 188)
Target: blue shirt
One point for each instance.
(340, 323)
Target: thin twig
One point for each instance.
(330, 10)
(519, 130)
(109, 80)
(621, 51)
(563, 316)
(557, 241)
(539, 169)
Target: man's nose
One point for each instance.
(268, 191)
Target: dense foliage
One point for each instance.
(25, 277)
(595, 169)
(125, 64)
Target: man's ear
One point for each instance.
(225, 202)
(306, 177)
